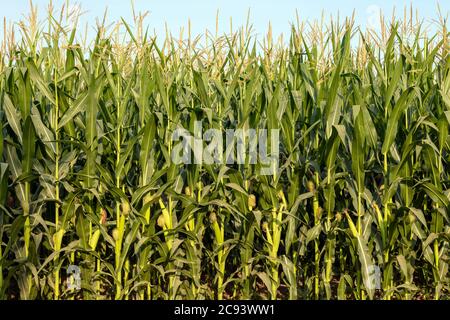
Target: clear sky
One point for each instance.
(202, 13)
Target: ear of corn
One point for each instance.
(86, 176)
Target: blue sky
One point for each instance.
(202, 13)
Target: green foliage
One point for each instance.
(86, 175)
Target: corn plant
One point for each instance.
(356, 209)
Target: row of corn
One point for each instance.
(357, 209)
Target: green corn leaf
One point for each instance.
(146, 145)
(15, 168)
(13, 117)
(37, 79)
(29, 143)
(78, 106)
(393, 84)
(358, 153)
(394, 117)
(42, 131)
(82, 228)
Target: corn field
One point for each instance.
(358, 208)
